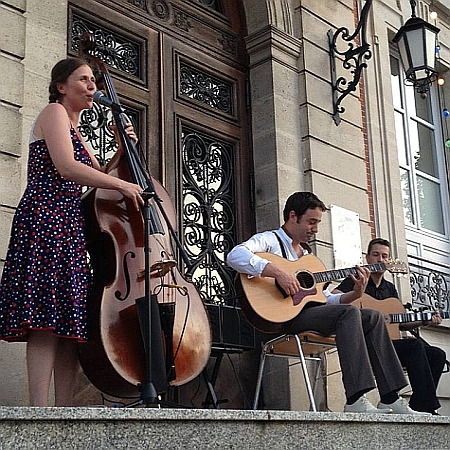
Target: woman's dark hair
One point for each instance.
(300, 202)
(378, 241)
(60, 72)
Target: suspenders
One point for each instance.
(283, 249)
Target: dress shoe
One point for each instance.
(362, 405)
(401, 407)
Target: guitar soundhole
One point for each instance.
(306, 280)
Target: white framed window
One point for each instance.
(421, 158)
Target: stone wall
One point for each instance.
(33, 39)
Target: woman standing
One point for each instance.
(45, 279)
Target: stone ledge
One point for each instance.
(116, 428)
(154, 413)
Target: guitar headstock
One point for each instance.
(396, 266)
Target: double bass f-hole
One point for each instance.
(126, 274)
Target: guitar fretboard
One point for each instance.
(337, 274)
(416, 316)
(410, 317)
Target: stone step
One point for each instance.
(102, 428)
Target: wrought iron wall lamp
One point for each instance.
(354, 58)
(416, 41)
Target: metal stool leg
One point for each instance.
(302, 360)
(305, 374)
(260, 375)
(317, 375)
(261, 367)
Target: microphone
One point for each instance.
(102, 99)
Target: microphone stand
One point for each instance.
(147, 306)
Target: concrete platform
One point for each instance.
(152, 428)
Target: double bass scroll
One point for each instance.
(114, 357)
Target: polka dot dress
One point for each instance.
(45, 279)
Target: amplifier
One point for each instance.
(230, 328)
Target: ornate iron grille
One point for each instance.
(430, 289)
(95, 128)
(208, 214)
(203, 87)
(118, 52)
(111, 48)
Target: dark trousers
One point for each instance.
(424, 365)
(364, 346)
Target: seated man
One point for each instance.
(364, 346)
(424, 363)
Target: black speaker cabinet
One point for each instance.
(229, 327)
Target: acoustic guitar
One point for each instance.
(267, 306)
(394, 313)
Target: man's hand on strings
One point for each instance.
(287, 281)
(436, 319)
(360, 281)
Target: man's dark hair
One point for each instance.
(378, 241)
(300, 202)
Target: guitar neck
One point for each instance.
(417, 316)
(337, 274)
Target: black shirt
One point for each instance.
(385, 290)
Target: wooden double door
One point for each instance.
(180, 69)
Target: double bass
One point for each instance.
(128, 263)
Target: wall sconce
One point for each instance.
(416, 41)
(353, 60)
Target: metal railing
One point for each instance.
(430, 284)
